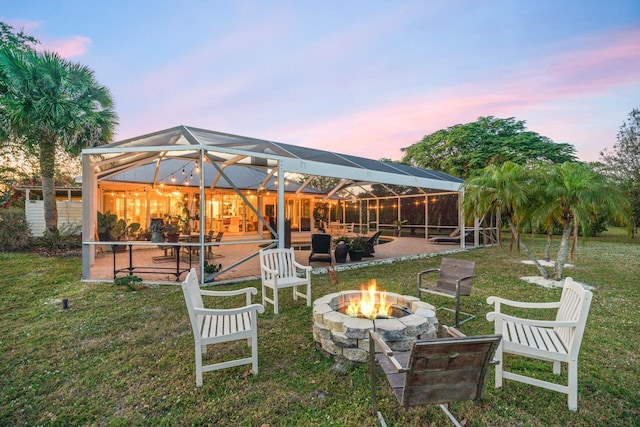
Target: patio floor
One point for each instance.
(160, 269)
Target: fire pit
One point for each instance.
(342, 320)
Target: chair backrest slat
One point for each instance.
(279, 259)
(193, 299)
(453, 269)
(448, 370)
(574, 306)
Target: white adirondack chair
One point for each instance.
(556, 341)
(211, 326)
(279, 269)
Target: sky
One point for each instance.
(364, 78)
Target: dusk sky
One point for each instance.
(357, 77)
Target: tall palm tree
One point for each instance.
(52, 102)
(507, 190)
(569, 193)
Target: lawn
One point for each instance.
(125, 357)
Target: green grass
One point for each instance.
(121, 357)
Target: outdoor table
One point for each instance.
(131, 269)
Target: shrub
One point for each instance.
(14, 231)
(64, 238)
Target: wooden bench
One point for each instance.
(211, 326)
(557, 340)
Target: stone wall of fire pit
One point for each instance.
(345, 337)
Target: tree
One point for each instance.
(568, 195)
(50, 102)
(543, 194)
(622, 163)
(15, 41)
(464, 149)
(507, 190)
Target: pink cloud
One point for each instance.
(597, 66)
(66, 48)
(69, 47)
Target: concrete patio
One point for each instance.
(160, 269)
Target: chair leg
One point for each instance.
(198, 366)
(453, 419)
(275, 300)
(498, 363)
(556, 367)
(572, 371)
(254, 346)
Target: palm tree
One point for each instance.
(569, 193)
(52, 102)
(507, 190)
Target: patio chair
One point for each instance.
(279, 269)
(453, 237)
(212, 326)
(434, 371)
(216, 243)
(369, 244)
(454, 280)
(320, 247)
(557, 341)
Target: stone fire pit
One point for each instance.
(346, 337)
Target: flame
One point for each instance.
(372, 303)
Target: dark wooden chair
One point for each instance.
(454, 279)
(320, 247)
(434, 371)
(369, 244)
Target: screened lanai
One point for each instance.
(255, 192)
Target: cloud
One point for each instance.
(68, 47)
(588, 68)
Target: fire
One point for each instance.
(372, 303)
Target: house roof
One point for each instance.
(156, 156)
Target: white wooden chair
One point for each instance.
(211, 326)
(279, 269)
(556, 341)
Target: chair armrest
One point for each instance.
(522, 304)
(466, 278)
(388, 353)
(229, 311)
(453, 331)
(302, 267)
(252, 291)
(244, 291)
(431, 270)
(425, 272)
(491, 316)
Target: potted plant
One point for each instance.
(356, 249)
(320, 215)
(398, 225)
(173, 231)
(341, 249)
(106, 222)
(210, 270)
(122, 230)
